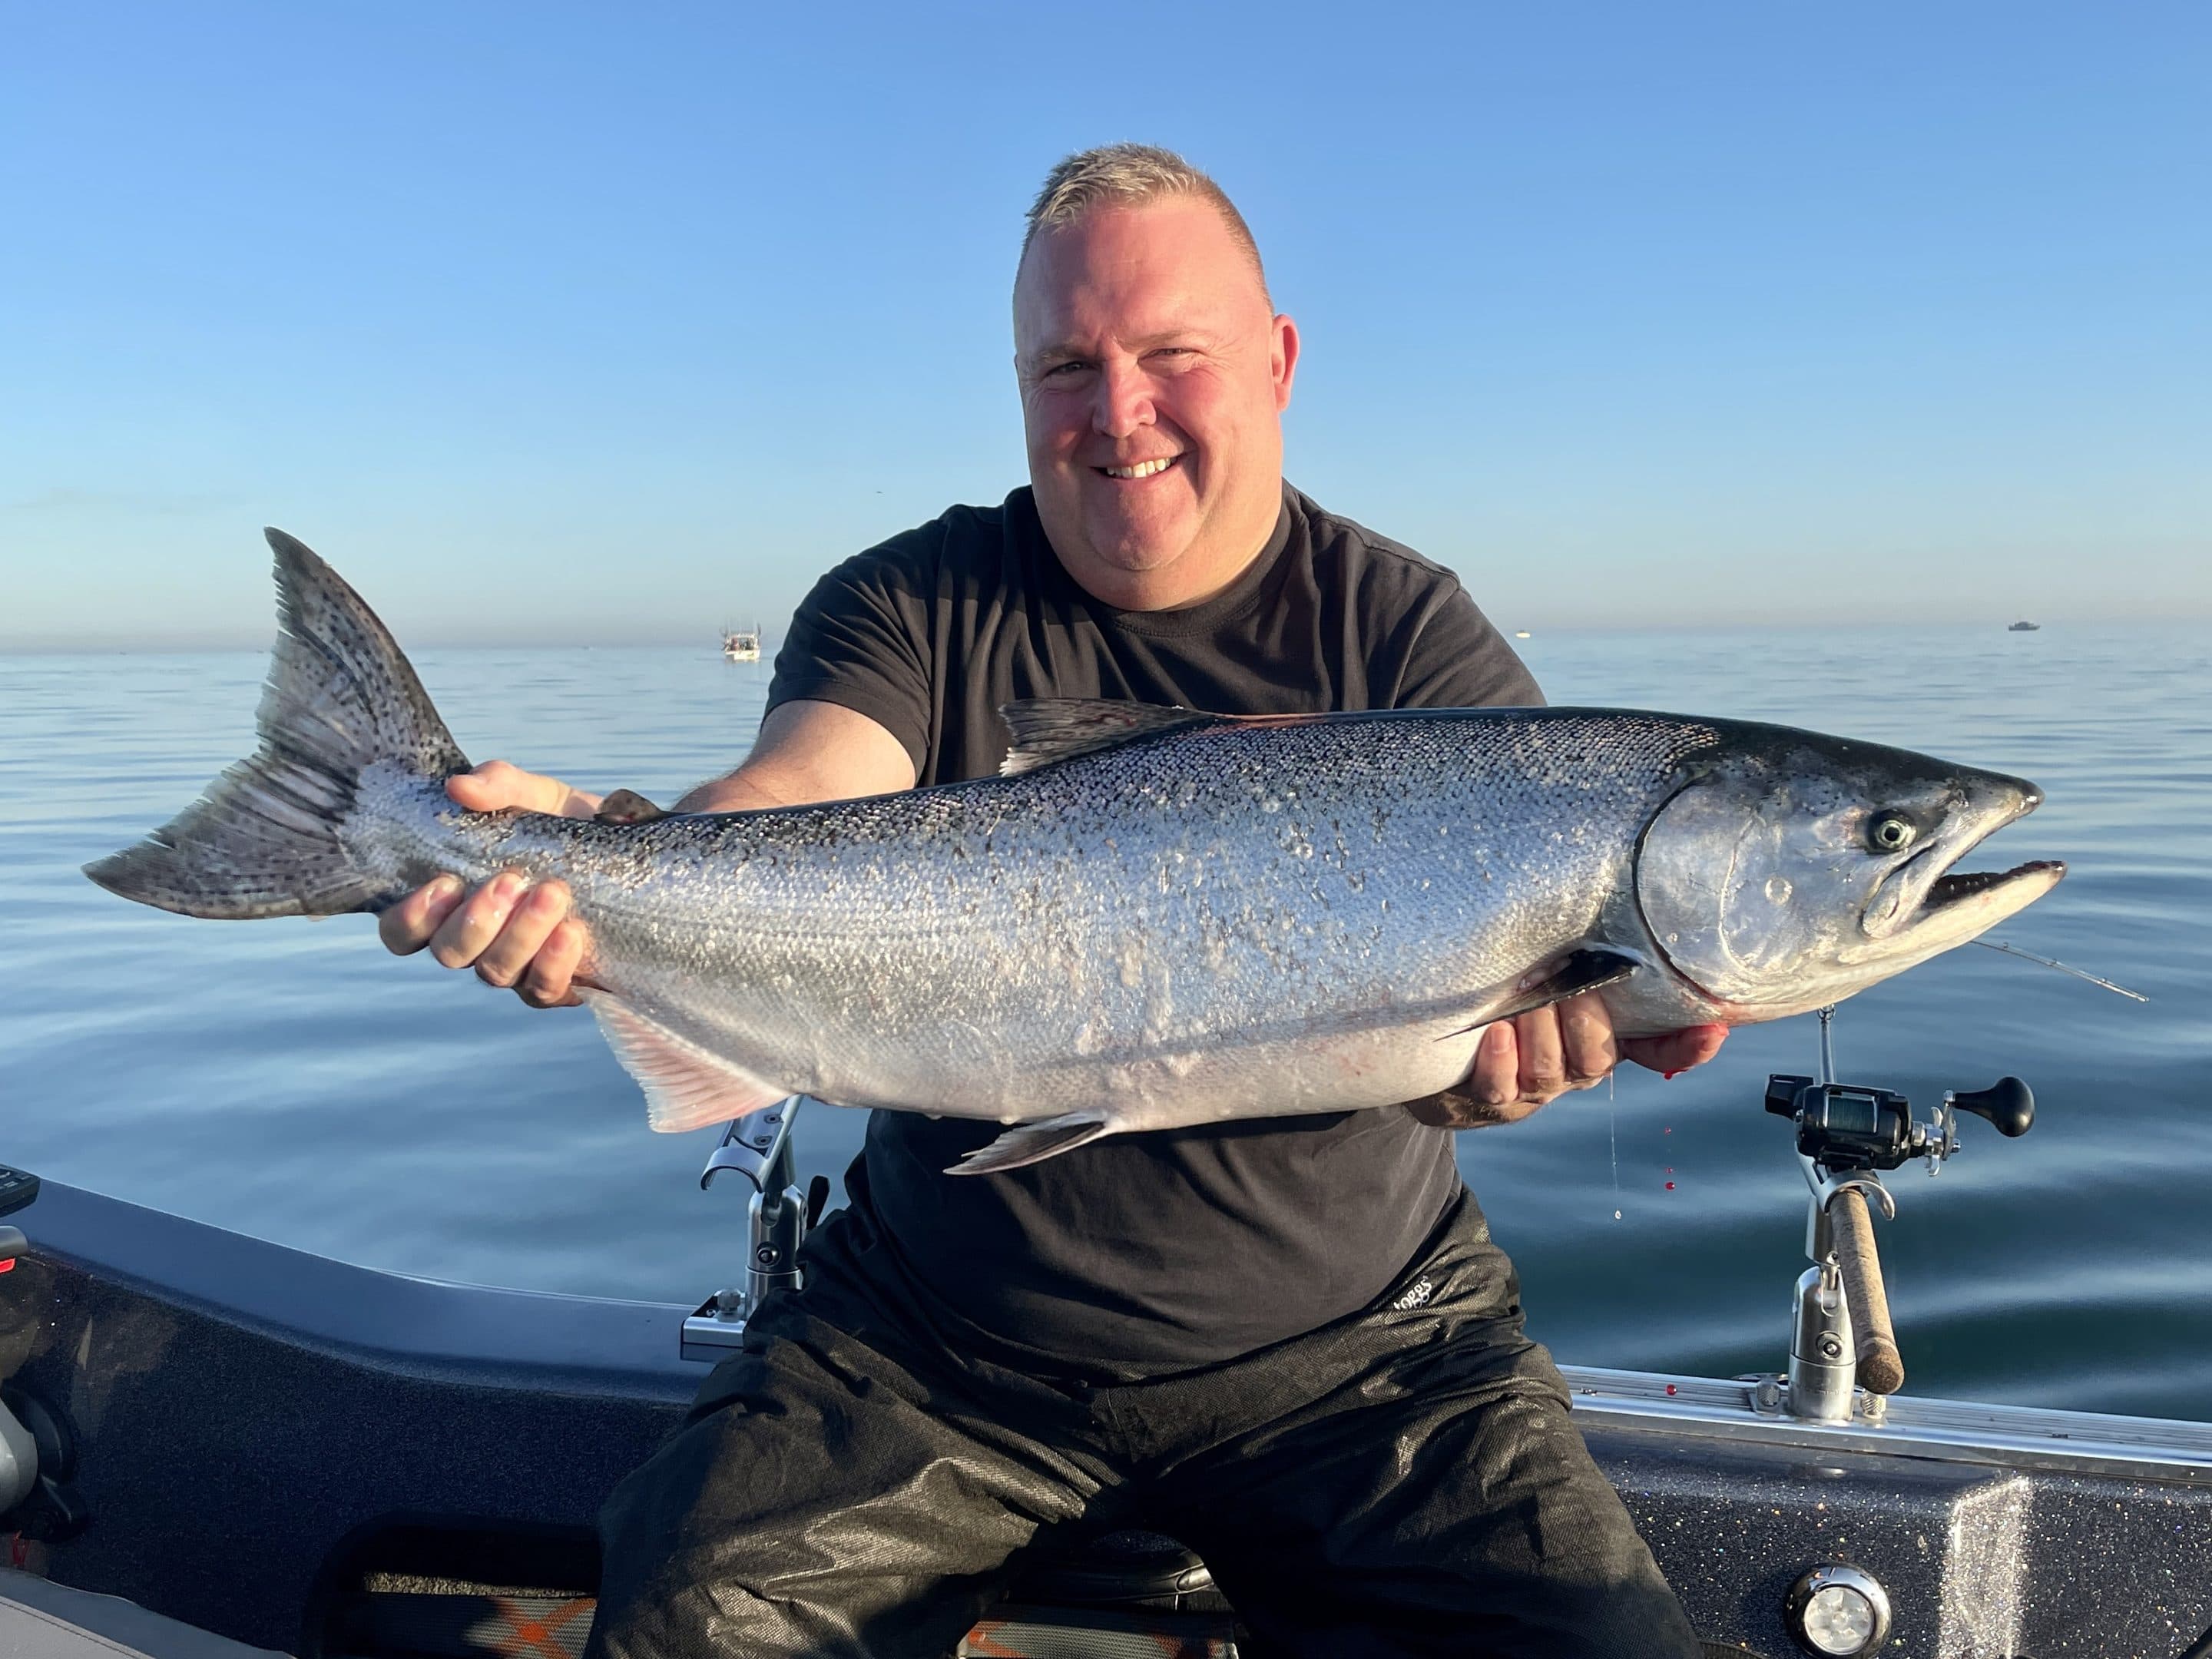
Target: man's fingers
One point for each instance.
(1586, 1039)
(500, 786)
(548, 981)
(1675, 1051)
(1543, 1070)
(1496, 1077)
(462, 937)
(407, 926)
(529, 925)
(512, 934)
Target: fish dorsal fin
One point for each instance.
(686, 1086)
(1048, 729)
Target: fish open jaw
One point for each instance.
(1952, 889)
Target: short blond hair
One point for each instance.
(1130, 175)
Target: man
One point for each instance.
(1288, 1342)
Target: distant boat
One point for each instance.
(2024, 628)
(1522, 634)
(741, 644)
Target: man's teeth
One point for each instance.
(1142, 469)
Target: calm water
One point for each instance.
(288, 1080)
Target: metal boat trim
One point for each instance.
(1951, 1430)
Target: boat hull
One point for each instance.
(263, 1435)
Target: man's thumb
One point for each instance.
(497, 786)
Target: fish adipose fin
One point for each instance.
(1032, 1143)
(685, 1086)
(262, 840)
(1048, 729)
(1586, 969)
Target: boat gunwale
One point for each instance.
(567, 1344)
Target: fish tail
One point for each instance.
(264, 840)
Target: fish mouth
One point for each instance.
(1952, 908)
(1958, 888)
(1927, 900)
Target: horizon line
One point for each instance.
(226, 644)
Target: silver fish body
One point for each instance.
(1160, 918)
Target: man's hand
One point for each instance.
(1523, 1063)
(512, 933)
(517, 935)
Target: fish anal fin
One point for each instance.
(1590, 969)
(1048, 729)
(1032, 1143)
(686, 1086)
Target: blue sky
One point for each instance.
(571, 323)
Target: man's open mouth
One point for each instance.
(1136, 469)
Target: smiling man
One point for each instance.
(1153, 381)
(1289, 1342)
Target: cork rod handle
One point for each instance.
(1882, 1367)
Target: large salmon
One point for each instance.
(1156, 917)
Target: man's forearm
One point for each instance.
(734, 792)
(806, 752)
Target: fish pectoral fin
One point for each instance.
(1032, 1143)
(1586, 969)
(686, 1086)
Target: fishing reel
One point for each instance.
(1843, 1358)
(1847, 1127)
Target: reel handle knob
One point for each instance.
(2008, 1103)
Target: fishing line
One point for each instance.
(2029, 956)
(1612, 1135)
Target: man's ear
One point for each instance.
(1283, 360)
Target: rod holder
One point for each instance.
(1823, 1361)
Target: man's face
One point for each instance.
(1154, 378)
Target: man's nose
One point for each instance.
(1123, 401)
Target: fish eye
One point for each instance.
(1890, 832)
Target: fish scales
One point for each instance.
(1190, 894)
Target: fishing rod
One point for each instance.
(2047, 962)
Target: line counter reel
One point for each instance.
(1847, 1126)
(1843, 1359)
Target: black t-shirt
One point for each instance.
(1143, 1254)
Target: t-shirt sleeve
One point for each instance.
(860, 640)
(1458, 660)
